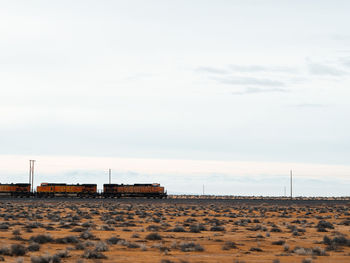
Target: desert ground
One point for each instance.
(165, 231)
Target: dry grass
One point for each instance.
(164, 231)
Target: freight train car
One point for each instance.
(66, 190)
(135, 190)
(16, 190)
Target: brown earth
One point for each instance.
(173, 231)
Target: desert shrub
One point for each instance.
(296, 233)
(113, 240)
(33, 247)
(286, 247)
(336, 242)
(306, 260)
(323, 225)
(143, 247)
(190, 246)
(83, 245)
(166, 261)
(302, 251)
(101, 246)
(62, 254)
(257, 228)
(341, 240)
(45, 259)
(135, 235)
(153, 228)
(4, 250)
(327, 240)
(79, 246)
(321, 229)
(42, 238)
(275, 229)
(49, 228)
(345, 222)
(317, 251)
(107, 228)
(34, 225)
(133, 245)
(87, 224)
(156, 220)
(178, 229)
(256, 249)
(279, 242)
(67, 240)
(4, 226)
(229, 245)
(154, 236)
(87, 235)
(217, 228)
(197, 228)
(16, 232)
(78, 229)
(93, 254)
(18, 250)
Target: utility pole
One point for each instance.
(31, 174)
(291, 184)
(285, 191)
(203, 189)
(109, 173)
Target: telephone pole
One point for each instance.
(31, 174)
(203, 189)
(109, 173)
(291, 184)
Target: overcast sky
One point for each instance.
(243, 84)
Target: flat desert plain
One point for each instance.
(164, 231)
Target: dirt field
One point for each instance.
(173, 231)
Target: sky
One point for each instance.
(231, 95)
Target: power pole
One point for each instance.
(109, 173)
(291, 184)
(31, 174)
(285, 192)
(203, 189)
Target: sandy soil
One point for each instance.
(163, 231)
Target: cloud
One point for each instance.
(246, 69)
(259, 68)
(324, 70)
(310, 105)
(252, 90)
(340, 37)
(212, 70)
(233, 80)
(247, 76)
(345, 61)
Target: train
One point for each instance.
(50, 190)
(135, 190)
(15, 190)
